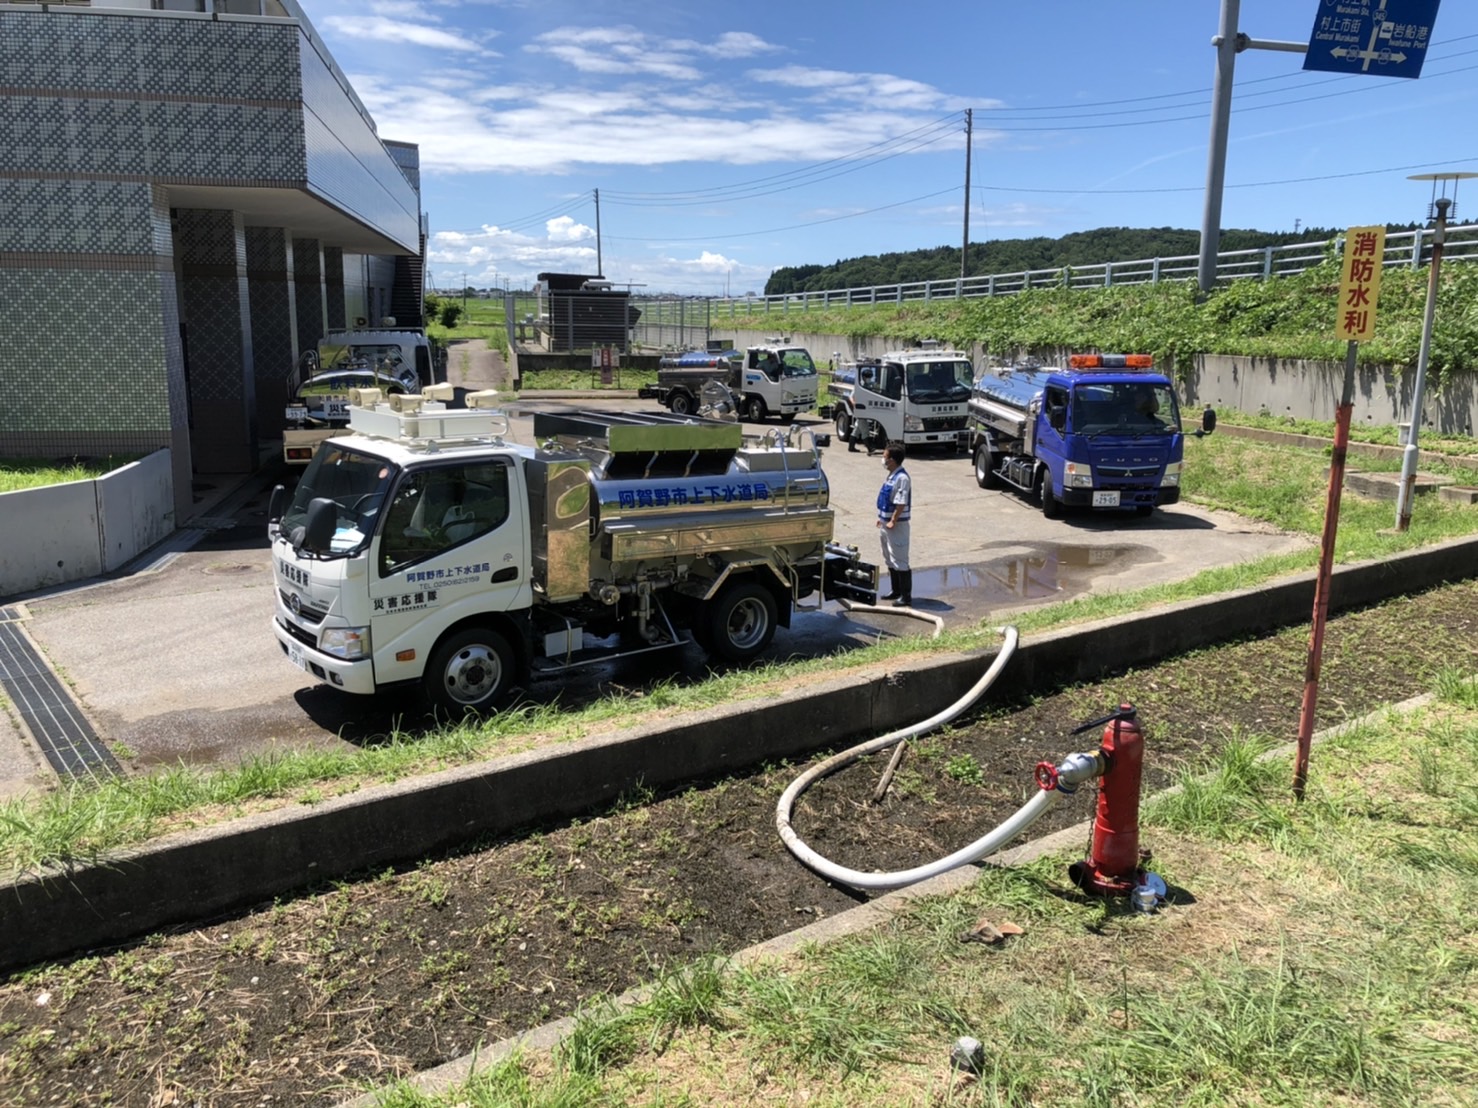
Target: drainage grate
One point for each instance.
(57, 724)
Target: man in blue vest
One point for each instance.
(894, 503)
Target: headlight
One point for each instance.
(912, 423)
(1172, 474)
(348, 643)
(1076, 475)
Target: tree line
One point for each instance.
(1105, 244)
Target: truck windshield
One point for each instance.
(940, 382)
(356, 483)
(1124, 408)
(383, 357)
(797, 363)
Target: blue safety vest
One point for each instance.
(885, 498)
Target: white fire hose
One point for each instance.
(1075, 769)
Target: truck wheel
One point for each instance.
(680, 403)
(740, 621)
(469, 672)
(985, 468)
(843, 425)
(754, 410)
(1051, 506)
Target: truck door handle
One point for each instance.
(507, 573)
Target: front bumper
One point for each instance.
(958, 439)
(1128, 498)
(355, 677)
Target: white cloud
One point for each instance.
(565, 229)
(385, 29)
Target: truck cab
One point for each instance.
(918, 397)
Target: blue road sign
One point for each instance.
(1384, 38)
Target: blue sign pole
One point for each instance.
(1383, 38)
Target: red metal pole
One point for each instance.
(1326, 566)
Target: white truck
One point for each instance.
(919, 397)
(393, 360)
(421, 546)
(771, 379)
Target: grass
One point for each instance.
(1284, 486)
(31, 473)
(1313, 953)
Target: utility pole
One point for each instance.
(600, 268)
(1407, 489)
(965, 246)
(1229, 42)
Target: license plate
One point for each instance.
(295, 656)
(297, 412)
(1106, 500)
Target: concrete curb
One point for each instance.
(224, 868)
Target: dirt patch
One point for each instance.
(303, 1000)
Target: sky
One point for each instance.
(695, 147)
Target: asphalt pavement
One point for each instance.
(176, 662)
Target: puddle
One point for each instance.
(1026, 572)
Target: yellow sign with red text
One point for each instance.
(1359, 283)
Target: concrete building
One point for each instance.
(190, 195)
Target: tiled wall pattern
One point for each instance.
(215, 101)
(308, 291)
(269, 274)
(215, 309)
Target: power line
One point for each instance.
(791, 227)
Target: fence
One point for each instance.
(1403, 248)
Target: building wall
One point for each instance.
(105, 114)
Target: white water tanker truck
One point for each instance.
(773, 379)
(420, 546)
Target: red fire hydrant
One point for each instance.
(1115, 865)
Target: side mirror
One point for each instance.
(1208, 421)
(318, 529)
(1057, 416)
(276, 504)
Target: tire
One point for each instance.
(843, 425)
(985, 468)
(469, 672)
(788, 418)
(1051, 506)
(754, 410)
(680, 403)
(739, 622)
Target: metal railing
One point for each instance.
(1403, 248)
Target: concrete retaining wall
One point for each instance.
(229, 867)
(61, 533)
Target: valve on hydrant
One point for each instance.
(1115, 864)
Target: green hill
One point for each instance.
(1106, 244)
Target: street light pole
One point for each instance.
(1408, 456)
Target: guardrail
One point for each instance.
(1403, 248)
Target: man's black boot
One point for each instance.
(895, 580)
(905, 589)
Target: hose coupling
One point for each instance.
(1071, 772)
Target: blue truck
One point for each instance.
(1103, 432)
